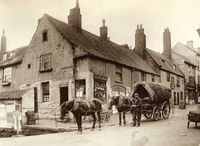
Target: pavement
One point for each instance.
(169, 132)
(72, 126)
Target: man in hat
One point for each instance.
(136, 109)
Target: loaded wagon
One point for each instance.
(155, 99)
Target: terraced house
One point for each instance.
(162, 64)
(64, 61)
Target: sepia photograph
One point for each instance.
(99, 73)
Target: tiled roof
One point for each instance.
(98, 47)
(17, 57)
(12, 94)
(164, 62)
(184, 58)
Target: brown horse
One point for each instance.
(80, 107)
(123, 105)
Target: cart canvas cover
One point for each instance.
(157, 92)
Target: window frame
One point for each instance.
(168, 76)
(10, 75)
(45, 36)
(45, 62)
(143, 76)
(80, 83)
(45, 93)
(118, 73)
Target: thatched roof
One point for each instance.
(156, 91)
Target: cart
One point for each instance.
(155, 99)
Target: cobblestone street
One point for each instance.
(172, 131)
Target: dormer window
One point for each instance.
(5, 57)
(45, 36)
(6, 79)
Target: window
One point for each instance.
(172, 83)
(45, 62)
(118, 74)
(80, 88)
(175, 98)
(45, 36)
(181, 95)
(153, 78)
(7, 75)
(45, 91)
(29, 66)
(143, 76)
(189, 69)
(168, 76)
(174, 67)
(178, 81)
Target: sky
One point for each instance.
(19, 18)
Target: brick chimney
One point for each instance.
(190, 44)
(104, 30)
(75, 18)
(3, 42)
(140, 41)
(167, 43)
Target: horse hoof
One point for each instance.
(99, 129)
(79, 132)
(92, 129)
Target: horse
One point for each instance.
(123, 105)
(83, 107)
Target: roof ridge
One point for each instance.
(99, 47)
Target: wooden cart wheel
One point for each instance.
(156, 113)
(148, 115)
(166, 110)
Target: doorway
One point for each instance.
(63, 94)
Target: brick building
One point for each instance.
(169, 72)
(188, 60)
(63, 61)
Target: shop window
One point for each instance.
(45, 36)
(45, 62)
(100, 88)
(7, 75)
(80, 88)
(118, 74)
(45, 91)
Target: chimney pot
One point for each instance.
(104, 30)
(75, 18)
(190, 44)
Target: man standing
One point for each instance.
(136, 109)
